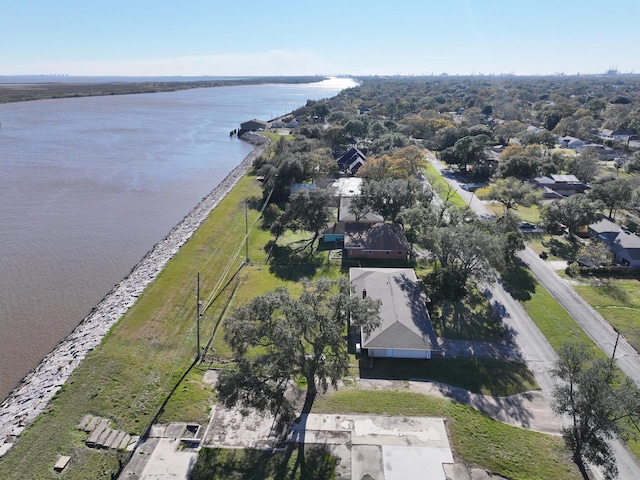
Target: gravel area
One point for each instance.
(34, 392)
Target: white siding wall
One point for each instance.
(391, 353)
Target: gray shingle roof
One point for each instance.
(405, 322)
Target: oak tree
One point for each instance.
(277, 338)
(597, 404)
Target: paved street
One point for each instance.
(591, 321)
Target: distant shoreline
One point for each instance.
(31, 396)
(41, 89)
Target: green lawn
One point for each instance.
(479, 375)
(142, 370)
(469, 319)
(618, 301)
(526, 214)
(554, 322)
(477, 440)
(558, 247)
(442, 188)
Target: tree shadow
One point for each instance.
(519, 282)
(288, 264)
(473, 318)
(314, 462)
(611, 290)
(562, 249)
(464, 375)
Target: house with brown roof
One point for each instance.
(405, 329)
(382, 241)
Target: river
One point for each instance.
(89, 185)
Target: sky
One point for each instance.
(310, 37)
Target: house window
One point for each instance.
(399, 252)
(388, 252)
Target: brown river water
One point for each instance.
(89, 185)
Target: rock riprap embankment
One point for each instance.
(34, 392)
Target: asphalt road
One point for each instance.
(591, 321)
(534, 346)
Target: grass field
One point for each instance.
(526, 214)
(478, 375)
(556, 324)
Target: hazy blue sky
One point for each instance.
(278, 37)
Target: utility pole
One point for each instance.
(613, 355)
(198, 305)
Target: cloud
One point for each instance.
(272, 62)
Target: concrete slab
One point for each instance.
(115, 441)
(366, 463)
(86, 420)
(400, 463)
(453, 471)
(61, 463)
(93, 423)
(169, 462)
(343, 453)
(385, 448)
(408, 431)
(175, 430)
(139, 460)
(234, 428)
(157, 430)
(376, 430)
(124, 443)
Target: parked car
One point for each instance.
(528, 227)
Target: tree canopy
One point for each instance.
(512, 192)
(277, 338)
(597, 404)
(574, 212)
(613, 193)
(307, 210)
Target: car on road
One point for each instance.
(472, 187)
